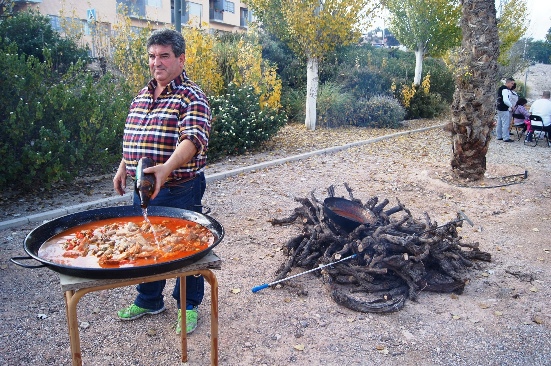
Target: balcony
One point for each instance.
(216, 15)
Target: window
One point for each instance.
(154, 3)
(55, 21)
(244, 18)
(229, 6)
(136, 8)
(193, 13)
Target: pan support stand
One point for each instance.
(75, 288)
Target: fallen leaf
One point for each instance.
(498, 313)
(379, 347)
(3, 266)
(299, 347)
(533, 289)
(41, 316)
(536, 229)
(536, 319)
(235, 290)
(456, 317)
(484, 306)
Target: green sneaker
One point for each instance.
(191, 320)
(134, 312)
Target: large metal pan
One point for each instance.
(42, 233)
(347, 214)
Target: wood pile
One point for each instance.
(391, 259)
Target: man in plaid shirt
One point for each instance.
(169, 121)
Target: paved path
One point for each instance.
(49, 215)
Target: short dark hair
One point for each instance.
(168, 37)
(546, 94)
(508, 80)
(522, 101)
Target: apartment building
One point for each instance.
(100, 15)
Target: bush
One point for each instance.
(33, 35)
(239, 124)
(52, 130)
(293, 102)
(379, 112)
(425, 105)
(334, 107)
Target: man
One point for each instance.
(542, 108)
(169, 121)
(504, 107)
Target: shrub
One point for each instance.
(334, 107)
(425, 105)
(378, 112)
(293, 102)
(52, 130)
(239, 123)
(33, 35)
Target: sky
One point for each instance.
(539, 15)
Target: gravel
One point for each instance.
(502, 318)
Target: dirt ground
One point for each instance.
(502, 318)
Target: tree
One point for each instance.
(428, 27)
(539, 51)
(511, 26)
(473, 104)
(313, 28)
(33, 35)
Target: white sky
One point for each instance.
(539, 15)
(539, 19)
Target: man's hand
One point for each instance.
(119, 181)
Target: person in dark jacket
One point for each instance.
(504, 108)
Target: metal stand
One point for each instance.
(75, 287)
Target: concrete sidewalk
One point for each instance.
(49, 215)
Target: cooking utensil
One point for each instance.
(263, 286)
(42, 233)
(347, 214)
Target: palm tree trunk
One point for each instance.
(473, 107)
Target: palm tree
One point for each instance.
(473, 105)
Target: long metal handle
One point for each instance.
(265, 285)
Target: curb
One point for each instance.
(48, 215)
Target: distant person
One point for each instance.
(520, 110)
(504, 108)
(542, 108)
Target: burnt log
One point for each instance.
(396, 255)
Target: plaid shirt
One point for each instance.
(154, 128)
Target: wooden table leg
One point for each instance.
(213, 282)
(72, 322)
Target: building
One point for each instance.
(98, 16)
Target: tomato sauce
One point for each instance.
(66, 248)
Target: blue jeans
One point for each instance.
(187, 196)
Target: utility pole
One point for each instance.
(178, 15)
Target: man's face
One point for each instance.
(510, 84)
(164, 65)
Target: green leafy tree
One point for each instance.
(428, 27)
(313, 28)
(512, 23)
(33, 35)
(539, 51)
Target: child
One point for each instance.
(520, 110)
